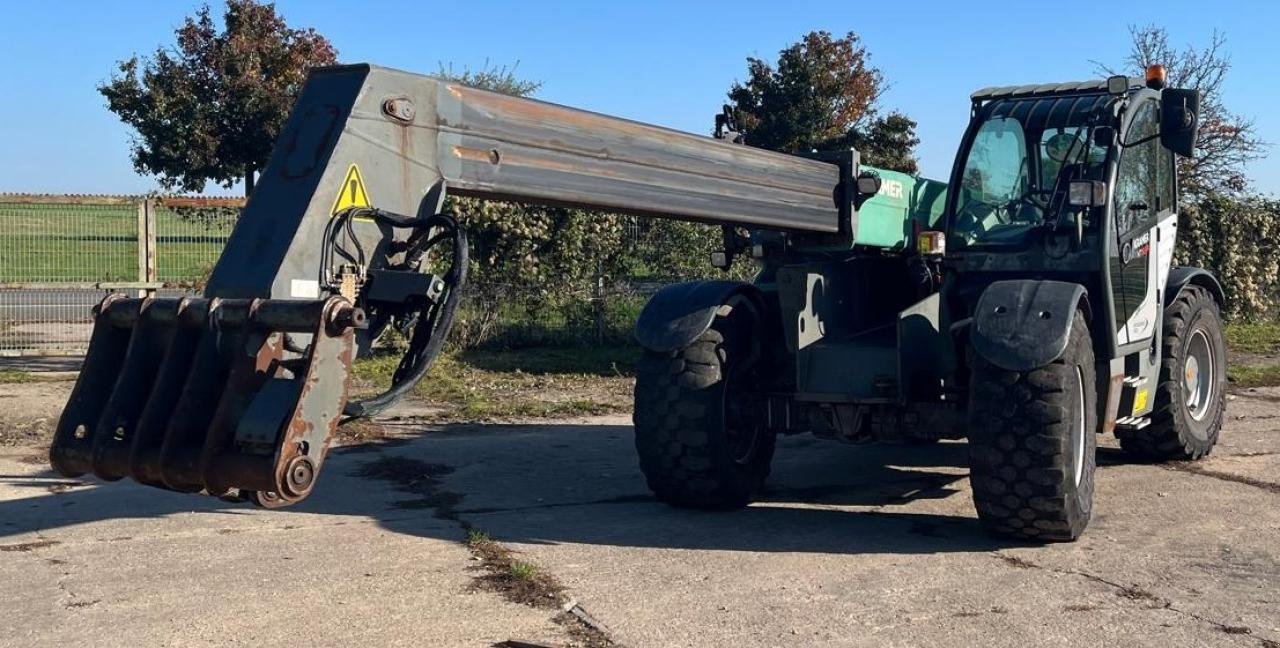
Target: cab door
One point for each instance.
(1144, 200)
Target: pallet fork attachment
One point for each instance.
(193, 394)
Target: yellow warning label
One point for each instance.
(1140, 401)
(353, 193)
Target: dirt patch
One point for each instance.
(499, 570)
(502, 571)
(1197, 469)
(1015, 561)
(29, 411)
(1081, 607)
(28, 546)
(971, 614)
(1135, 593)
(518, 581)
(359, 432)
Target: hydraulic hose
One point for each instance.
(434, 320)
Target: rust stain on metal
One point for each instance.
(1115, 386)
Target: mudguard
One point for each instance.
(1182, 276)
(676, 315)
(1024, 324)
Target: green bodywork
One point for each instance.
(886, 219)
(864, 342)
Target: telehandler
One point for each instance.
(1027, 305)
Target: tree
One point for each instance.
(1227, 142)
(492, 78)
(210, 107)
(889, 142)
(823, 94)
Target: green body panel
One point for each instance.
(885, 220)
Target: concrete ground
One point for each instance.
(851, 546)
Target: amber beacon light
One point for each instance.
(1156, 77)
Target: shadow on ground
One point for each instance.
(579, 484)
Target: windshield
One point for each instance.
(1018, 165)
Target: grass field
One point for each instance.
(1254, 337)
(1255, 349)
(92, 243)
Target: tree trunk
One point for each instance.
(248, 182)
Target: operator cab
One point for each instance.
(1019, 161)
(1040, 161)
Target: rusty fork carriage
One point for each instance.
(206, 394)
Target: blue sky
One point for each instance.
(666, 63)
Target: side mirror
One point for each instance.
(1179, 120)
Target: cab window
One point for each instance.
(1138, 190)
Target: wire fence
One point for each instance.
(59, 255)
(189, 237)
(56, 254)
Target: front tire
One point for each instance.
(1032, 441)
(1191, 395)
(699, 444)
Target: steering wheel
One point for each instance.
(1014, 208)
(969, 219)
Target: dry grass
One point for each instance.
(15, 376)
(1254, 375)
(513, 385)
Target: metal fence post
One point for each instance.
(147, 245)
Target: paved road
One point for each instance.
(55, 305)
(48, 305)
(49, 319)
(852, 546)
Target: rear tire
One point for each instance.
(1032, 440)
(698, 445)
(1191, 395)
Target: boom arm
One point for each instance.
(407, 133)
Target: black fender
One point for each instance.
(1182, 276)
(1023, 324)
(676, 315)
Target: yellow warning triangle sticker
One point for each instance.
(353, 193)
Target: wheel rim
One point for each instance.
(742, 426)
(1078, 442)
(742, 432)
(1198, 375)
